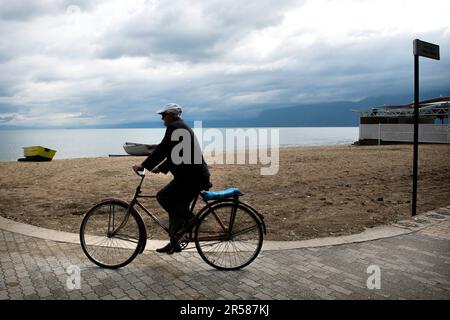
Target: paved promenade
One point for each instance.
(412, 264)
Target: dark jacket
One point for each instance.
(189, 171)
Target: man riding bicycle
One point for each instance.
(187, 165)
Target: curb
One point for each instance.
(398, 228)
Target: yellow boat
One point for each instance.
(37, 153)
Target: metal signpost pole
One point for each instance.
(416, 132)
(428, 50)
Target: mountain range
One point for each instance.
(328, 114)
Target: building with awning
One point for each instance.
(395, 123)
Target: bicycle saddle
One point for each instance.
(221, 194)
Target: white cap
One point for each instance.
(170, 108)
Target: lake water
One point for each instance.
(79, 143)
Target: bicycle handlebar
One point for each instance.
(141, 173)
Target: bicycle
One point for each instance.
(227, 232)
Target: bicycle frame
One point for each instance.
(135, 201)
(208, 206)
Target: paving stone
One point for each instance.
(31, 297)
(340, 289)
(413, 266)
(4, 295)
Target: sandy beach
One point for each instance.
(318, 191)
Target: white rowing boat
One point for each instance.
(138, 149)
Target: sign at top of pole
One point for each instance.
(426, 49)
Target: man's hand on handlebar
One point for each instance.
(137, 168)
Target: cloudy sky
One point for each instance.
(77, 63)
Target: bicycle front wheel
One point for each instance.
(229, 236)
(110, 234)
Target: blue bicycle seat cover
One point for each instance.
(221, 194)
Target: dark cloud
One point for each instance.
(7, 108)
(23, 10)
(6, 119)
(119, 62)
(193, 32)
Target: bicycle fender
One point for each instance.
(259, 215)
(142, 232)
(246, 205)
(106, 201)
(143, 238)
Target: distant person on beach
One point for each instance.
(189, 169)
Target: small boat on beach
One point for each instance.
(138, 149)
(37, 153)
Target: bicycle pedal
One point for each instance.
(183, 244)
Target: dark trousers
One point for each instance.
(175, 198)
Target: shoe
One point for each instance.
(169, 249)
(172, 250)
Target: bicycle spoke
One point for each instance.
(226, 249)
(110, 234)
(244, 231)
(126, 238)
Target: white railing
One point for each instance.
(429, 133)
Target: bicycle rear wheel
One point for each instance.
(228, 237)
(110, 234)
